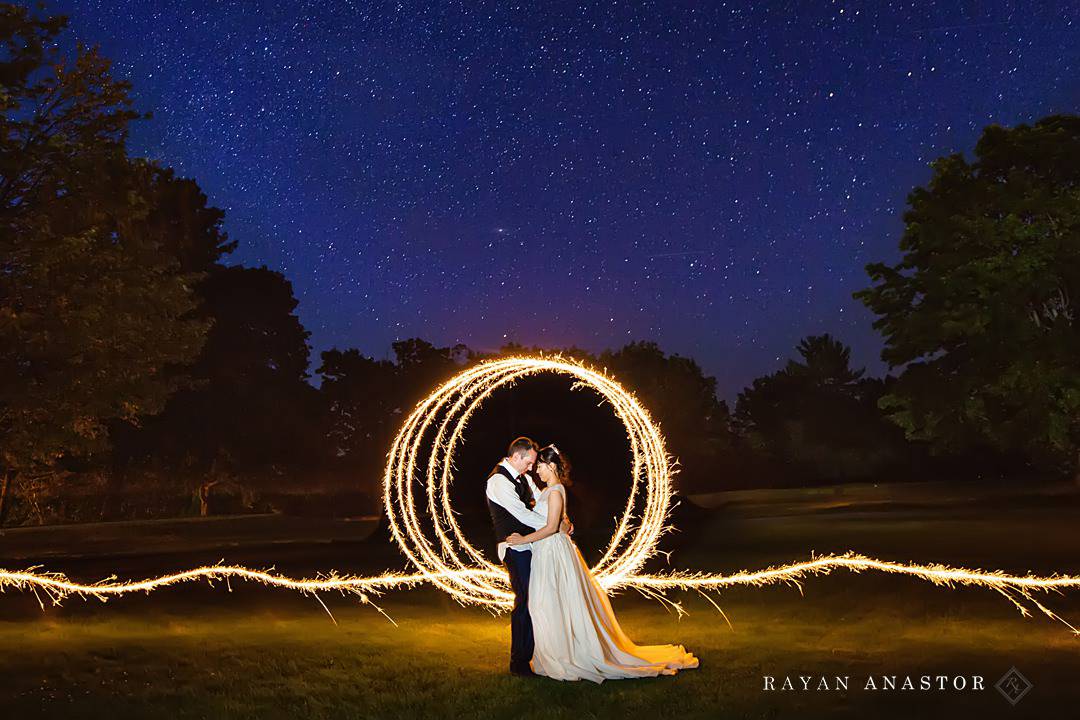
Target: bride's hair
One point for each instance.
(552, 454)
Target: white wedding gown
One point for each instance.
(576, 634)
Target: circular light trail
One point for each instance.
(433, 540)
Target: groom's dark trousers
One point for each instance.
(518, 564)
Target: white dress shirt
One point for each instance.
(503, 493)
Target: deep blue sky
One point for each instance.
(712, 176)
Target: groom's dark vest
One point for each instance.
(505, 523)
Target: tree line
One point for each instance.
(142, 375)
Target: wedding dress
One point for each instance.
(577, 636)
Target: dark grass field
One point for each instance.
(253, 652)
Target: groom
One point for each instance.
(511, 496)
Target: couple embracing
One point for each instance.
(562, 625)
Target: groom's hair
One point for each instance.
(521, 445)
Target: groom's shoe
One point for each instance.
(522, 671)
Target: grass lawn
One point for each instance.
(204, 652)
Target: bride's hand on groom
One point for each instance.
(565, 526)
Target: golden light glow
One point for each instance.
(435, 545)
(438, 548)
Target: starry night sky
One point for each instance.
(712, 176)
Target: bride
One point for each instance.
(577, 635)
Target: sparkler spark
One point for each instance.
(443, 557)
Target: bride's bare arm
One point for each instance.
(554, 519)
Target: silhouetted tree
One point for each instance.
(818, 416)
(826, 363)
(186, 226)
(94, 312)
(681, 398)
(422, 366)
(252, 408)
(189, 230)
(363, 402)
(981, 310)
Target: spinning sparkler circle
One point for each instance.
(440, 552)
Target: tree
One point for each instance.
(421, 367)
(674, 388)
(95, 315)
(250, 406)
(826, 363)
(818, 416)
(187, 228)
(680, 397)
(362, 397)
(980, 309)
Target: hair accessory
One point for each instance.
(552, 446)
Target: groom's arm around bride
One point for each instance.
(501, 491)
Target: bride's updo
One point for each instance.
(554, 456)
